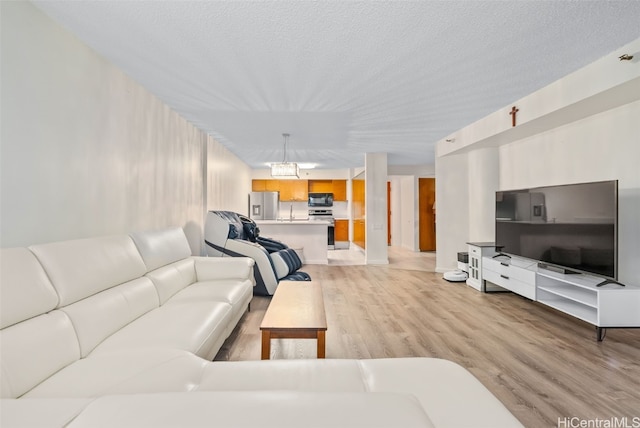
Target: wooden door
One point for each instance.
(427, 220)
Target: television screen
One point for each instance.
(573, 226)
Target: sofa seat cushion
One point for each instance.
(234, 292)
(190, 326)
(442, 387)
(292, 375)
(99, 316)
(37, 412)
(281, 409)
(124, 372)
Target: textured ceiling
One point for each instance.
(345, 77)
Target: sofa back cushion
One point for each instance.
(35, 349)
(167, 255)
(99, 316)
(172, 278)
(34, 342)
(162, 247)
(83, 267)
(25, 289)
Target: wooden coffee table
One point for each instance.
(296, 311)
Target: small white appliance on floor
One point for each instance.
(460, 274)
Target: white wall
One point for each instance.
(452, 210)
(603, 147)
(581, 128)
(86, 151)
(228, 179)
(414, 170)
(483, 176)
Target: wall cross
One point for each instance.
(513, 112)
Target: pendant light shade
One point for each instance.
(285, 169)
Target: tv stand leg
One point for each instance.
(609, 281)
(601, 332)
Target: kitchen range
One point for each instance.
(326, 215)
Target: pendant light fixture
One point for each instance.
(285, 169)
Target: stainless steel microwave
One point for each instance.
(320, 199)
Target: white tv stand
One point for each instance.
(606, 306)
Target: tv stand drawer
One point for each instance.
(527, 290)
(510, 269)
(518, 279)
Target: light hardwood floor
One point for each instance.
(543, 365)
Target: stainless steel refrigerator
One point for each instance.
(264, 205)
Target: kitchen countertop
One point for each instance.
(294, 222)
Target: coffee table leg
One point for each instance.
(266, 344)
(321, 344)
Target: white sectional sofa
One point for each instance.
(119, 331)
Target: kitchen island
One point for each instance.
(308, 236)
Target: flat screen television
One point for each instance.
(573, 227)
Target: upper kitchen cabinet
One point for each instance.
(320, 186)
(265, 185)
(339, 190)
(298, 190)
(337, 187)
(294, 190)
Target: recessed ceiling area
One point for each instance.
(344, 78)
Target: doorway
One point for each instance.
(427, 214)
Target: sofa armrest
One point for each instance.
(210, 268)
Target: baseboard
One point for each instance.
(377, 262)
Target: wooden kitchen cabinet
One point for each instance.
(258, 185)
(294, 190)
(337, 187)
(265, 185)
(358, 210)
(339, 190)
(359, 237)
(341, 230)
(298, 190)
(320, 186)
(272, 185)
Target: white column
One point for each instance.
(452, 210)
(376, 208)
(484, 166)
